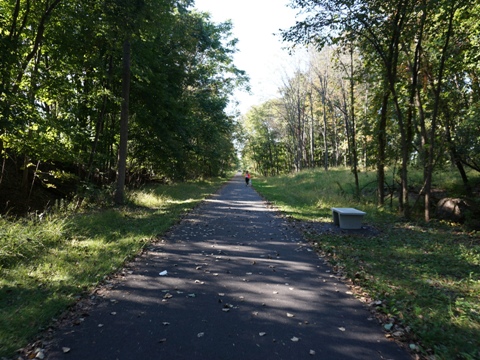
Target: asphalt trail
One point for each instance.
(241, 284)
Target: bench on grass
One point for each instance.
(348, 218)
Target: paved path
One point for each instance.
(240, 284)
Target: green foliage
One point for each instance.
(424, 276)
(263, 145)
(311, 193)
(47, 263)
(413, 89)
(182, 117)
(60, 88)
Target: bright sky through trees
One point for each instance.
(260, 51)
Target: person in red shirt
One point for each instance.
(247, 178)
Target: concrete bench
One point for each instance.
(347, 218)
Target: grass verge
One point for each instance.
(424, 279)
(46, 265)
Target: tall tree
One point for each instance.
(380, 28)
(446, 18)
(320, 83)
(63, 107)
(294, 98)
(22, 30)
(122, 148)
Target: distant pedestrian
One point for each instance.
(247, 178)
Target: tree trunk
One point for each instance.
(98, 129)
(312, 133)
(438, 88)
(122, 149)
(354, 128)
(382, 143)
(325, 140)
(299, 136)
(454, 153)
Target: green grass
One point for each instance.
(427, 276)
(309, 195)
(47, 264)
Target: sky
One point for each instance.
(260, 52)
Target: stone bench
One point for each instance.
(348, 218)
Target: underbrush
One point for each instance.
(423, 278)
(49, 261)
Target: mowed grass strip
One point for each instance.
(46, 265)
(425, 277)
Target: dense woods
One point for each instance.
(121, 92)
(81, 80)
(390, 83)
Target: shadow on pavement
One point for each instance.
(240, 284)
